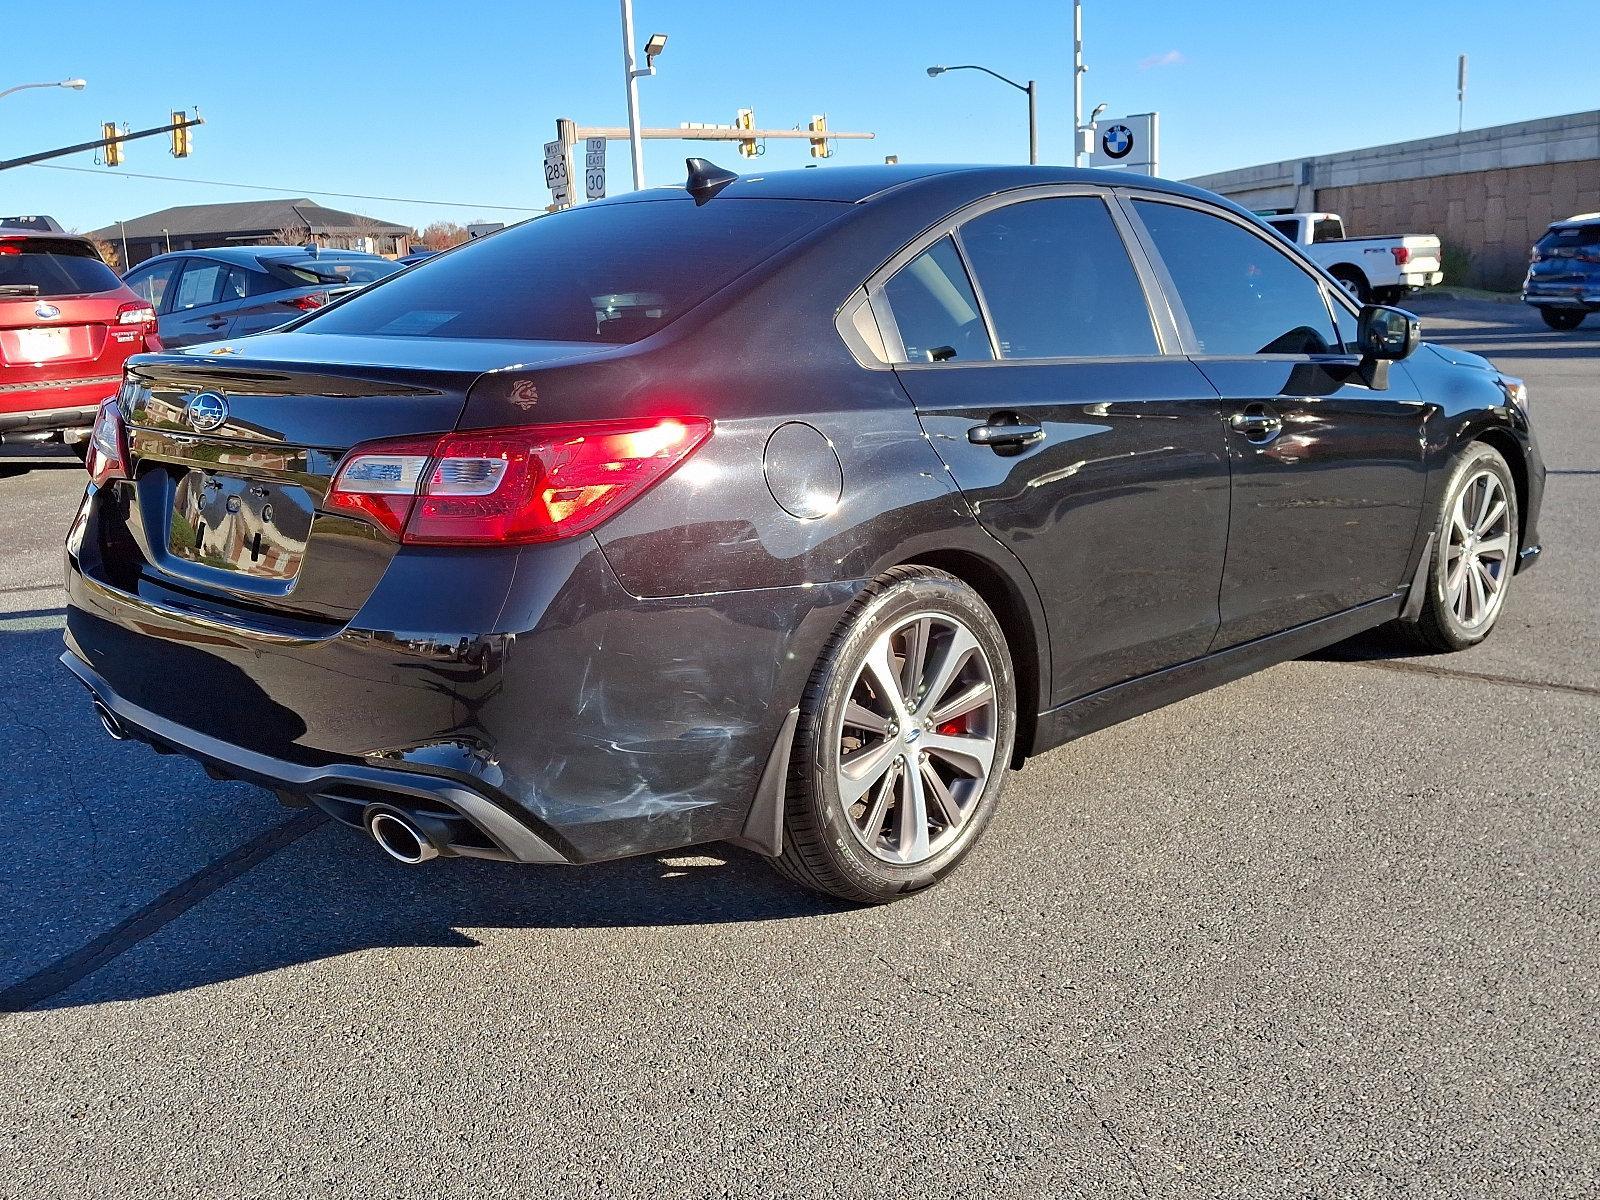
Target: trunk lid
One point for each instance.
(233, 446)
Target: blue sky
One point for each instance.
(453, 102)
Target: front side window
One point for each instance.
(1058, 281)
(1242, 294)
(150, 283)
(936, 309)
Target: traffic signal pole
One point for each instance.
(99, 143)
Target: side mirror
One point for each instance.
(1385, 335)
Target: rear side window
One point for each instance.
(242, 283)
(1243, 295)
(608, 273)
(53, 267)
(936, 309)
(1058, 281)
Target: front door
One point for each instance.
(1099, 460)
(1328, 474)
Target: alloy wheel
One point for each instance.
(916, 740)
(1478, 553)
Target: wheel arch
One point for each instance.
(1016, 607)
(1504, 441)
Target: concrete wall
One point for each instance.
(1487, 192)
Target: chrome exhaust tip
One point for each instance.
(397, 836)
(108, 720)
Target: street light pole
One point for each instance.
(1077, 82)
(76, 85)
(632, 75)
(1029, 88)
(123, 225)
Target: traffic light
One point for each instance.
(111, 155)
(819, 145)
(180, 136)
(747, 120)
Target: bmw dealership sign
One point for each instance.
(1129, 143)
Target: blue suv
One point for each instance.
(1564, 277)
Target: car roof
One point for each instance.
(244, 255)
(861, 184)
(11, 234)
(1579, 220)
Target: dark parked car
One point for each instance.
(1563, 280)
(205, 295)
(790, 510)
(416, 256)
(67, 326)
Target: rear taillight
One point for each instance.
(108, 446)
(1402, 255)
(510, 486)
(137, 314)
(307, 302)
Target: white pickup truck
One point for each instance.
(1372, 268)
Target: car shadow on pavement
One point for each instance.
(127, 880)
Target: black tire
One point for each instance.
(1354, 282)
(1564, 319)
(822, 846)
(1438, 627)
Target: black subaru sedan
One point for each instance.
(789, 510)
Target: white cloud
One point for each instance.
(1171, 58)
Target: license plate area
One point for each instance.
(42, 345)
(245, 526)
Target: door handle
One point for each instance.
(1005, 431)
(1257, 422)
(217, 322)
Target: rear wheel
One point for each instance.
(905, 734)
(1474, 554)
(1353, 282)
(1563, 318)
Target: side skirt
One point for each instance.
(1112, 705)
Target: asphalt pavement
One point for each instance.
(1327, 931)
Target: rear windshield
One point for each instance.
(338, 270)
(1570, 237)
(53, 267)
(611, 273)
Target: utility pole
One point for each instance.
(1461, 93)
(632, 76)
(1077, 82)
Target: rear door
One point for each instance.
(198, 312)
(258, 302)
(1328, 473)
(1042, 373)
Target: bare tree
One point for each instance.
(289, 235)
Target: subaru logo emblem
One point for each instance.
(206, 411)
(45, 312)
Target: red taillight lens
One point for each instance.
(108, 446)
(308, 302)
(1402, 255)
(510, 486)
(137, 314)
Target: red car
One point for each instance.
(67, 324)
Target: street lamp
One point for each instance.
(76, 85)
(652, 49)
(1029, 88)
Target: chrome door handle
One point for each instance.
(1258, 423)
(1000, 434)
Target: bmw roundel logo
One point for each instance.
(45, 311)
(206, 411)
(1117, 141)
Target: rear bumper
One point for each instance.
(67, 424)
(525, 682)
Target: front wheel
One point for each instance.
(1563, 318)
(1474, 554)
(905, 734)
